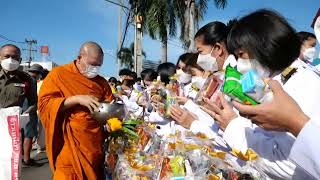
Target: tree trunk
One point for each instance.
(192, 27)
(164, 51)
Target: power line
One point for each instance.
(125, 32)
(118, 4)
(30, 49)
(7, 39)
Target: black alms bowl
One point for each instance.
(108, 111)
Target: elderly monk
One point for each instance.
(68, 95)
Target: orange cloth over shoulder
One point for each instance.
(74, 140)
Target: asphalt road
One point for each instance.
(37, 173)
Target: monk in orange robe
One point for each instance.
(74, 140)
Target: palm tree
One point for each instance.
(126, 56)
(190, 13)
(161, 23)
(159, 20)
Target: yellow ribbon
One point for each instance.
(213, 177)
(218, 154)
(248, 156)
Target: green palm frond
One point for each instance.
(220, 3)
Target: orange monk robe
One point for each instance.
(74, 140)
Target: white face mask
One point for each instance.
(244, 65)
(207, 62)
(309, 54)
(198, 81)
(183, 77)
(10, 64)
(91, 71)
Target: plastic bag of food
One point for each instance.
(210, 89)
(10, 150)
(233, 87)
(199, 161)
(255, 86)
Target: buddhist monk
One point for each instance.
(68, 95)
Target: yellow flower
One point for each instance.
(114, 124)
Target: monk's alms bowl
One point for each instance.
(108, 111)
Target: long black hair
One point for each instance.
(165, 71)
(148, 75)
(214, 32)
(267, 37)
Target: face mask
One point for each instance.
(121, 79)
(183, 77)
(207, 62)
(245, 65)
(309, 54)
(10, 64)
(91, 71)
(198, 81)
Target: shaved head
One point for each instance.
(91, 47)
(90, 53)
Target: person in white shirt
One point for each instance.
(307, 53)
(284, 114)
(308, 46)
(268, 51)
(213, 57)
(183, 73)
(211, 45)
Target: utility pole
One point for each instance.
(119, 33)
(191, 26)
(138, 44)
(30, 49)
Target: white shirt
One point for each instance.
(274, 147)
(305, 150)
(132, 106)
(302, 65)
(205, 123)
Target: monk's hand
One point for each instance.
(182, 116)
(91, 102)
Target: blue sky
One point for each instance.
(65, 24)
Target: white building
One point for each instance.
(49, 65)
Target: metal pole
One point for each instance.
(135, 45)
(139, 51)
(119, 33)
(30, 50)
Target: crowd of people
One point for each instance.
(263, 41)
(281, 128)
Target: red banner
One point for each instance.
(13, 127)
(45, 49)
